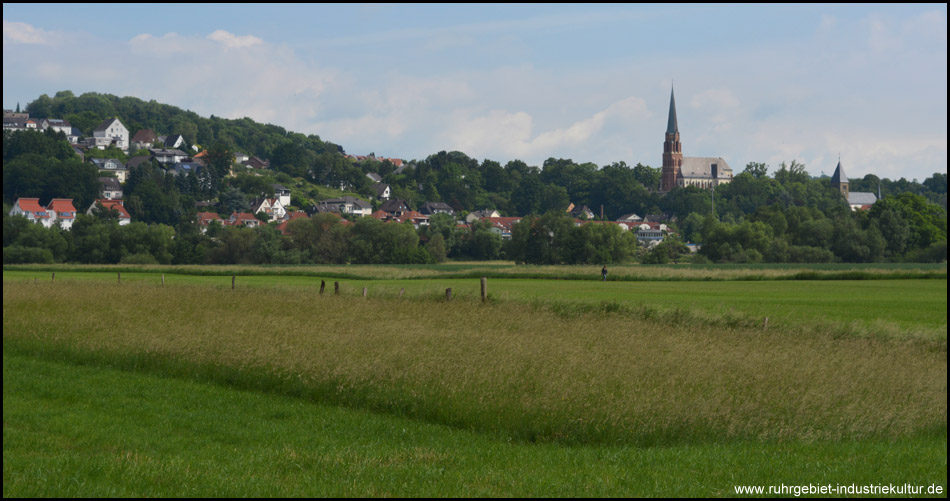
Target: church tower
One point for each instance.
(672, 150)
(840, 181)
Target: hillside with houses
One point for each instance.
(97, 178)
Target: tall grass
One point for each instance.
(506, 368)
(881, 271)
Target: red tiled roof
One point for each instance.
(63, 207)
(117, 205)
(32, 205)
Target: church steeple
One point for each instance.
(671, 126)
(672, 150)
(840, 181)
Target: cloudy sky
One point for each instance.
(586, 82)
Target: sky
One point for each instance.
(588, 82)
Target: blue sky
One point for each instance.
(766, 83)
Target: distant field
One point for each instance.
(554, 387)
(876, 307)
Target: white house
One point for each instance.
(61, 211)
(110, 131)
(166, 156)
(32, 210)
(282, 193)
(270, 206)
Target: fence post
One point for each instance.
(364, 292)
(765, 324)
(322, 286)
(448, 294)
(54, 277)
(118, 278)
(232, 281)
(401, 291)
(163, 279)
(336, 287)
(484, 289)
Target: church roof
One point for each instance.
(838, 176)
(701, 167)
(671, 126)
(861, 198)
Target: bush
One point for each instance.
(17, 254)
(139, 258)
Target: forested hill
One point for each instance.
(87, 111)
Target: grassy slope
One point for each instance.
(80, 431)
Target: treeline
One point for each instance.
(783, 216)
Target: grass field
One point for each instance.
(134, 389)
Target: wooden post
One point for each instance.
(54, 277)
(163, 279)
(336, 287)
(765, 325)
(232, 281)
(484, 289)
(322, 286)
(364, 292)
(448, 294)
(401, 291)
(118, 278)
(34, 280)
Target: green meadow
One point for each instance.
(553, 387)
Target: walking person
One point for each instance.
(603, 273)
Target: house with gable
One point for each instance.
(116, 205)
(111, 166)
(502, 225)
(62, 212)
(205, 218)
(383, 191)
(433, 208)
(481, 214)
(108, 132)
(32, 210)
(166, 156)
(413, 217)
(344, 205)
(111, 189)
(144, 139)
(174, 141)
(395, 207)
(243, 219)
(257, 163)
(272, 207)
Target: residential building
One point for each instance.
(243, 219)
(344, 205)
(116, 205)
(481, 214)
(62, 212)
(144, 139)
(166, 156)
(433, 208)
(32, 210)
(205, 218)
(383, 191)
(111, 189)
(395, 207)
(111, 131)
(282, 193)
(112, 166)
(174, 141)
(272, 207)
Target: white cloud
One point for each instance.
(233, 41)
(22, 33)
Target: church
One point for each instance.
(704, 172)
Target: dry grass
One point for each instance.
(507, 368)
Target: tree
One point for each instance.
(757, 170)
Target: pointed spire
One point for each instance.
(838, 176)
(671, 126)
